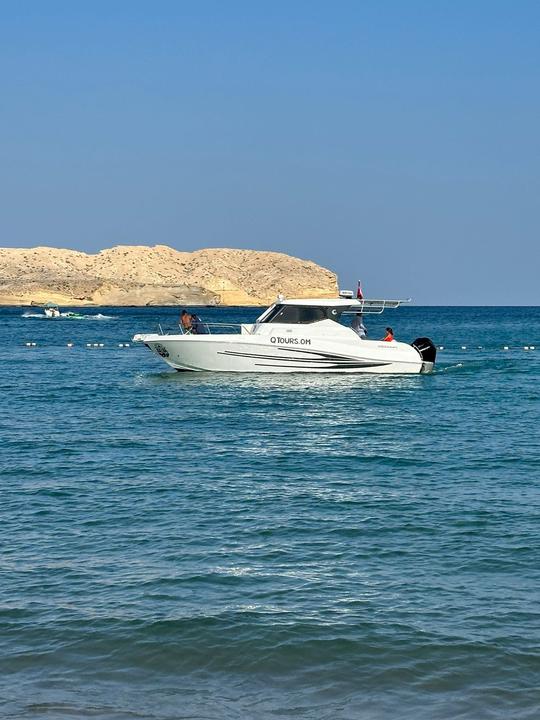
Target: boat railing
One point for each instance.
(206, 328)
(374, 307)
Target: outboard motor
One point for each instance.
(427, 352)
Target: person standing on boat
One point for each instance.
(358, 326)
(389, 335)
(185, 321)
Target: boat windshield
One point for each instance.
(301, 314)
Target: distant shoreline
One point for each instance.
(223, 306)
(89, 306)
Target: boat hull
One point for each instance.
(249, 354)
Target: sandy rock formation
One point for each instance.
(159, 275)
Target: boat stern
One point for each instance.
(427, 351)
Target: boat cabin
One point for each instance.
(51, 310)
(305, 312)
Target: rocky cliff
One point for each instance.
(159, 275)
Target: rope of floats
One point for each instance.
(439, 347)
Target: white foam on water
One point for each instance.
(447, 368)
(100, 316)
(67, 316)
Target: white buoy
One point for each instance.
(120, 344)
(34, 344)
(126, 344)
(525, 347)
(463, 347)
(70, 344)
(532, 347)
(28, 344)
(96, 345)
(101, 345)
(88, 344)
(480, 347)
(441, 347)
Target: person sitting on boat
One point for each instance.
(185, 321)
(197, 328)
(358, 325)
(389, 335)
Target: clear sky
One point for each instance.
(396, 142)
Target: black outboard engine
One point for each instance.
(427, 352)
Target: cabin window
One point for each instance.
(301, 314)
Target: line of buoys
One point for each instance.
(439, 347)
(88, 345)
(504, 347)
(100, 345)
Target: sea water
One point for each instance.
(182, 545)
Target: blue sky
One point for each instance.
(397, 142)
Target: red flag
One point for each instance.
(359, 294)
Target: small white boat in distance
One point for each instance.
(307, 336)
(51, 310)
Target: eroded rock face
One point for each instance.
(159, 275)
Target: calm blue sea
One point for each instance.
(210, 546)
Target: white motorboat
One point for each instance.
(51, 310)
(293, 336)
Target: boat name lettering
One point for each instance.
(289, 340)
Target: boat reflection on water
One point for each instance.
(290, 382)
